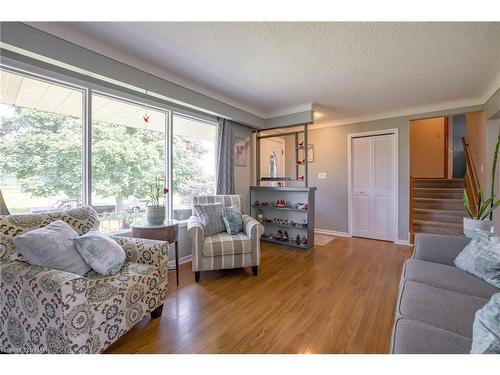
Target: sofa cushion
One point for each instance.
(101, 252)
(52, 246)
(412, 337)
(447, 277)
(486, 328)
(210, 216)
(439, 308)
(226, 244)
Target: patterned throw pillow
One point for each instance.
(486, 328)
(481, 257)
(210, 216)
(100, 252)
(232, 219)
(52, 246)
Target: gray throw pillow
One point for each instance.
(101, 252)
(52, 246)
(232, 219)
(486, 328)
(481, 257)
(210, 215)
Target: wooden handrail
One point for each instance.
(472, 186)
(412, 185)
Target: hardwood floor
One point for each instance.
(337, 298)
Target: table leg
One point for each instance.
(177, 261)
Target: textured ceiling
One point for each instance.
(349, 70)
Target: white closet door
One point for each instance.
(383, 187)
(362, 185)
(373, 187)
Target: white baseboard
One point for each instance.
(186, 259)
(403, 242)
(331, 232)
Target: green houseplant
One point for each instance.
(482, 219)
(155, 212)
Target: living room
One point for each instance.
(298, 187)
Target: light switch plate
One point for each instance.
(322, 176)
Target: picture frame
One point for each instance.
(240, 150)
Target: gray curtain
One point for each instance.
(225, 157)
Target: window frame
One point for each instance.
(88, 88)
(204, 122)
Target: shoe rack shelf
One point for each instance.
(294, 198)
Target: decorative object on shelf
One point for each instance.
(155, 212)
(240, 152)
(300, 162)
(257, 203)
(285, 236)
(300, 178)
(297, 239)
(260, 216)
(280, 203)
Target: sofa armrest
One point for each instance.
(252, 227)
(438, 248)
(144, 251)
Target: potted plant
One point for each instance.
(155, 212)
(483, 219)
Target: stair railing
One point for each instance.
(412, 185)
(472, 186)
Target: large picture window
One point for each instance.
(128, 153)
(40, 144)
(193, 164)
(53, 158)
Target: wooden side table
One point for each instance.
(168, 231)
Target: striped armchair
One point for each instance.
(222, 250)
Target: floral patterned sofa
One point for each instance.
(44, 310)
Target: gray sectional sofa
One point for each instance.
(437, 301)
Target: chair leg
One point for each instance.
(255, 270)
(197, 275)
(156, 313)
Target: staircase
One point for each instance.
(437, 206)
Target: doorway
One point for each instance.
(429, 148)
(373, 187)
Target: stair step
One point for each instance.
(438, 183)
(439, 204)
(436, 227)
(450, 193)
(447, 216)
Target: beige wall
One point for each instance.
(476, 138)
(428, 147)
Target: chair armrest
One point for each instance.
(252, 227)
(438, 248)
(144, 251)
(60, 297)
(194, 226)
